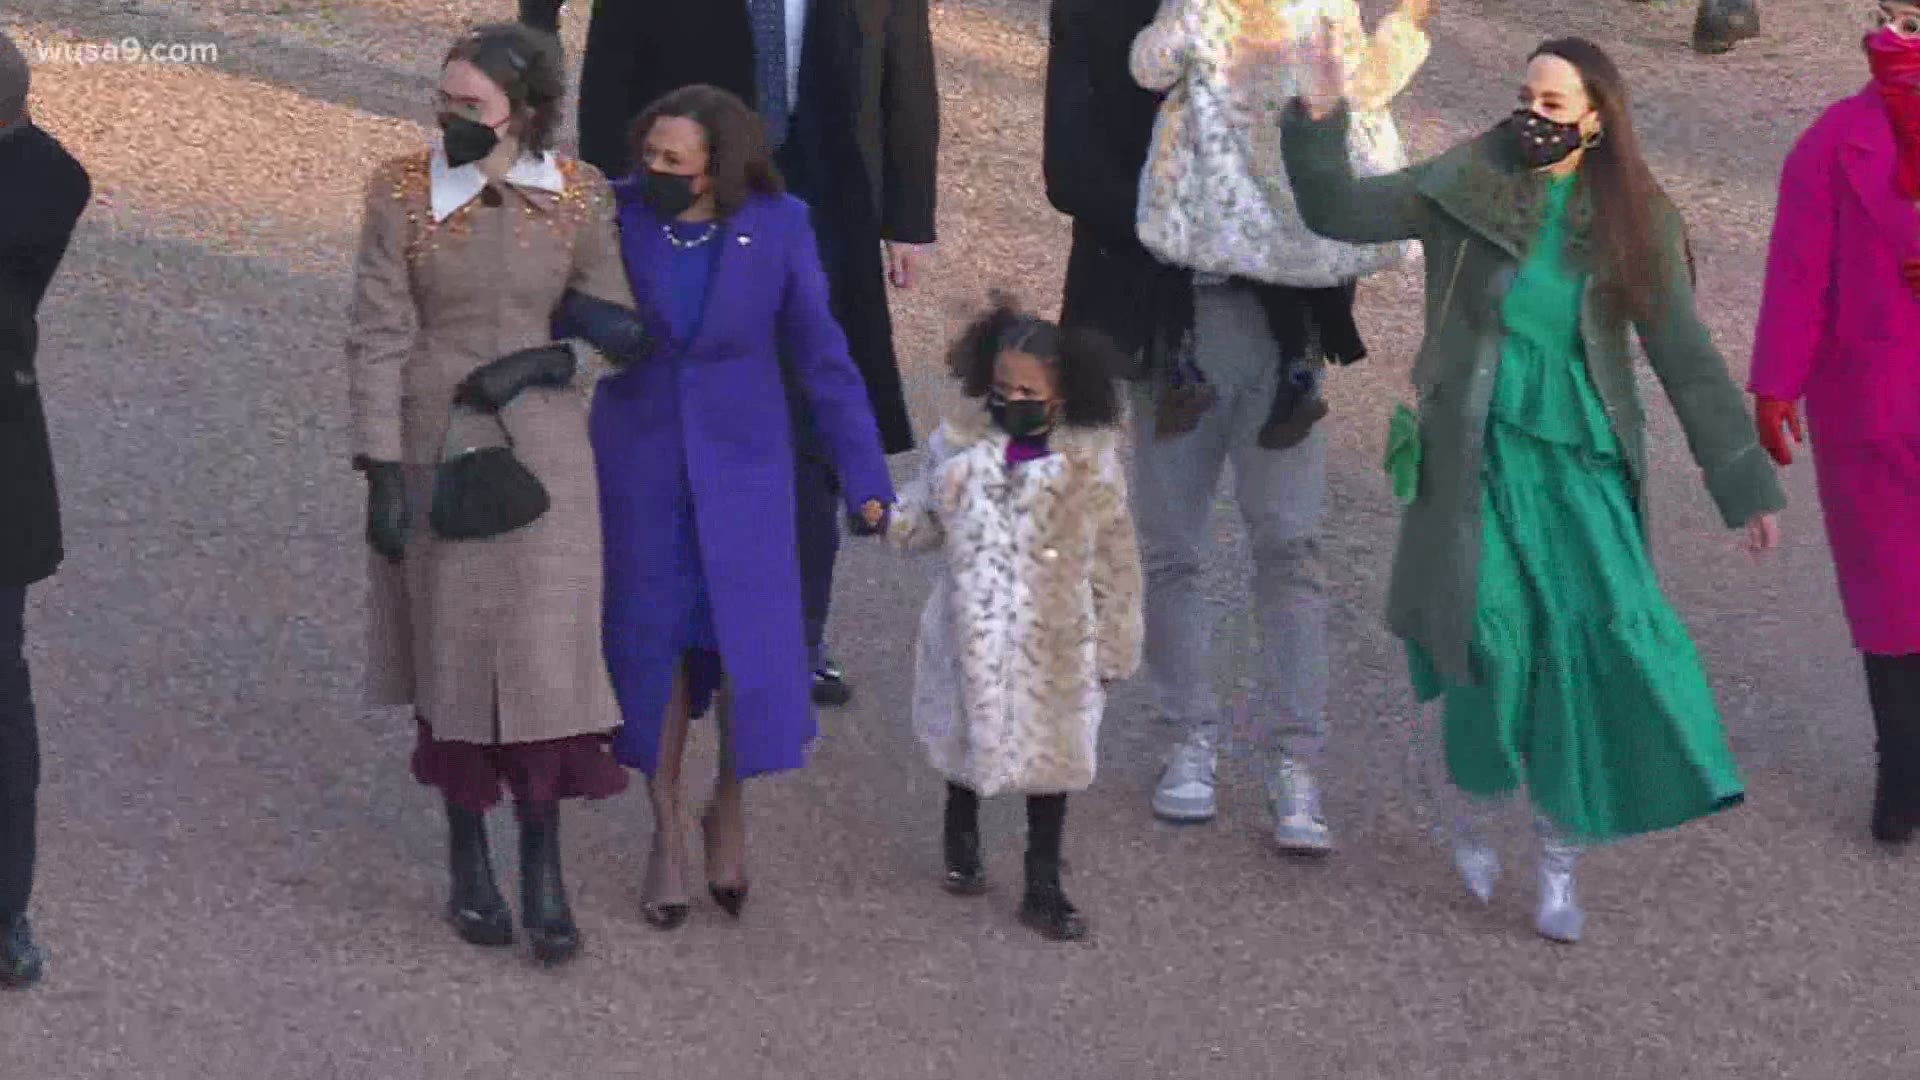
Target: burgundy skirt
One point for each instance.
(471, 775)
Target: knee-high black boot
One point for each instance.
(543, 893)
(961, 842)
(1045, 907)
(21, 961)
(1893, 687)
(477, 910)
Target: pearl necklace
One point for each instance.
(713, 229)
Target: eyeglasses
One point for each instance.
(1906, 24)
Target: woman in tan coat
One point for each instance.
(466, 252)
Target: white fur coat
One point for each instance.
(1039, 605)
(1215, 195)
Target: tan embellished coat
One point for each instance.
(492, 641)
(1039, 605)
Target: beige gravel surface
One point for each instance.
(241, 881)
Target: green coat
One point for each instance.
(1475, 210)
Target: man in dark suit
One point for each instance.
(849, 93)
(42, 193)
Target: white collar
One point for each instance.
(454, 187)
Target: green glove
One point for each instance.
(1402, 462)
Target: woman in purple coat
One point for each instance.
(695, 456)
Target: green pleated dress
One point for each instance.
(1589, 692)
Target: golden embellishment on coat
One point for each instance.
(412, 187)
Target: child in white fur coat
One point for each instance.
(1039, 607)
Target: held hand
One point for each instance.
(1763, 535)
(872, 519)
(1774, 420)
(1324, 81)
(906, 263)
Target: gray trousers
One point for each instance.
(1281, 495)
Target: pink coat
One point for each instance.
(1839, 327)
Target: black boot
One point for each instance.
(477, 910)
(21, 962)
(1722, 24)
(543, 894)
(1893, 687)
(965, 874)
(1045, 908)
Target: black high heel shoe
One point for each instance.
(546, 915)
(731, 898)
(476, 909)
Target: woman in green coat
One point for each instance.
(1522, 584)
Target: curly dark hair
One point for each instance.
(1084, 362)
(738, 160)
(529, 66)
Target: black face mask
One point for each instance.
(466, 141)
(669, 194)
(1021, 419)
(1543, 142)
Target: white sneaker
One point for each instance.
(1298, 826)
(1185, 791)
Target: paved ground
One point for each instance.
(241, 881)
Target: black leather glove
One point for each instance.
(388, 520)
(492, 385)
(620, 334)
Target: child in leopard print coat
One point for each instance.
(1215, 198)
(1039, 607)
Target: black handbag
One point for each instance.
(483, 491)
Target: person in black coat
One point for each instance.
(1099, 126)
(42, 193)
(848, 88)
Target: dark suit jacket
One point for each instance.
(1099, 128)
(43, 191)
(863, 149)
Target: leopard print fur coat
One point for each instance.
(1215, 196)
(1038, 607)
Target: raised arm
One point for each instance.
(1739, 475)
(1333, 201)
(381, 323)
(1379, 66)
(1161, 51)
(910, 125)
(1796, 307)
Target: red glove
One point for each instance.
(1911, 271)
(1775, 420)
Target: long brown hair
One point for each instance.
(738, 161)
(1632, 264)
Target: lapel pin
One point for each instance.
(745, 240)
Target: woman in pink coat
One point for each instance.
(1840, 326)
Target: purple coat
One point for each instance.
(706, 423)
(1839, 326)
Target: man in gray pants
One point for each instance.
(1281, 496)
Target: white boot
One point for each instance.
(1473, 855)
(1560, 918)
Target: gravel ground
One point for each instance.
(240, 880)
